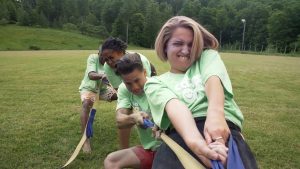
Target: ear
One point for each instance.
(145, 72)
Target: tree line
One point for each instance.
(268, 23)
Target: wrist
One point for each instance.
(215, 112)
(193, 143)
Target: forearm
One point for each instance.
(215, 95)
(95, 76)
(215, 124)
(183, 121)
(125, 119)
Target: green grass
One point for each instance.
(40, 106)
(29, 38)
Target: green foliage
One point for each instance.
(136, 29)
(40, 109)
(284, 26)
(273, 23)
(70, 27)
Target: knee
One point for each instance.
(110, 162)
(87, 104)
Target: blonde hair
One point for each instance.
(202, 38)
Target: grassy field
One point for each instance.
(29, 38)
(40, 106)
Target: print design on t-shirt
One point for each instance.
(190, 89)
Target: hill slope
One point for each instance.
(28, 38)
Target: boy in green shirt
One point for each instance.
(113, 50)
(132, 109)
(94, 80)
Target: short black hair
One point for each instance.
(128, 63)
(115, 44)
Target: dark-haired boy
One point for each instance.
(132, 108)
(113, 49)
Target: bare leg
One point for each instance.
(124, 135)
(86, 108)
(125, 158)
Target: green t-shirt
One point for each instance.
(93, 65)
(190, 89)
(116, 80)
(137, 103)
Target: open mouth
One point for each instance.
(183, 57)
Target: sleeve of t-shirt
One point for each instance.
(114, 79)
(211, 64)
(123, 97)
(91, 64)
(146, 64)
(158, 96)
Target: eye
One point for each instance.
(128, 84)
(177, 43)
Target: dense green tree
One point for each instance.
(110, 13)
(136, 29)
(284, 26)
(191, 9)
(152, 24)
(268, 22)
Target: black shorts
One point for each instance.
(165, 158)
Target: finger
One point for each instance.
(205, 161)
(221, 140)
(208, 139)
(208, 153)
(218, 145)
(226, 136)
(223, 160)
(221, 151)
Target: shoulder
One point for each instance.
(157, 80)
(209, 53)
(143, 57)
(122, 90)
(93, 56)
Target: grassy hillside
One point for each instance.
(28, 38)
(40, 109)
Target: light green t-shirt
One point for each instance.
(93, 65)
(190, 89)
(116, 80)
(137, 103)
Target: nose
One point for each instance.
(186, 50)
(135, 87)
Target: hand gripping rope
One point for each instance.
(189, 162)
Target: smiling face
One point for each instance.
(178, 50)
(135, 81)
(111, 57)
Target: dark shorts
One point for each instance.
(165, 158)
(145, 156)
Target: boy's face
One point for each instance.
(135, 81)
(111, 57)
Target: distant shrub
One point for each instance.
(33, 47)
(92, 30)
(70, 27)
(3, 21)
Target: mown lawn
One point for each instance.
(40, 106)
